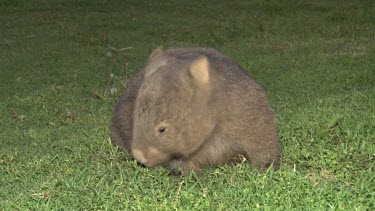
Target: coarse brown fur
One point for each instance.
(191, 108)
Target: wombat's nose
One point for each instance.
(139, 156)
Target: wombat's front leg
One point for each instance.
(183, 167)
(264, 158)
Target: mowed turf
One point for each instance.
(63, 65)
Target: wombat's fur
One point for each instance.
(191, 108)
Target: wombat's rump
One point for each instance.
(190, 108)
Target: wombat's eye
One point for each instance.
(162, 129)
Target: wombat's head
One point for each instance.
(172, 118)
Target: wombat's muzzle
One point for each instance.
(139, 156)
(149, 156)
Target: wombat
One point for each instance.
(191, 108)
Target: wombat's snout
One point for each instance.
(149, 156)
(139, 156)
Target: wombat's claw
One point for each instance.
(175, 173)
(141, 165)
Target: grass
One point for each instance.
(63, 66)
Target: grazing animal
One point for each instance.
(191, 108)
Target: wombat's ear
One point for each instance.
(155, 60)
(200, 70)
(155, 53)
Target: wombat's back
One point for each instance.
(231, 84)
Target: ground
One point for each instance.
(64, 64)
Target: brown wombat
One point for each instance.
(191, 108)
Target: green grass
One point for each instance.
(59, 61)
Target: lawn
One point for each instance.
(63, 64)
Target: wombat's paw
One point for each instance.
(175, 173)
(237, 159)
(183, 168)
(265, 165)
(275, 165)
